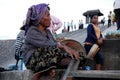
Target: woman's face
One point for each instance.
(95, 19)
(45, 21)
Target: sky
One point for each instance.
(13, 12)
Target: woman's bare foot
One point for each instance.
(36, 76)
(52, 72)
(98, 67)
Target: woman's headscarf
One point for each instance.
(34, 15)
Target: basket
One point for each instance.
(73, 44)
(95, 48)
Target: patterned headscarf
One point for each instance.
(34, 15)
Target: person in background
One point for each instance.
(54, 25)
(80, 24)
(94, 36)
(18, 45)
(64, 28)
(117, 13)
(113, 19)
(68, 26)
(74, 26)
(109, 19)
(71, 25)
(41, 52)
(103, 21)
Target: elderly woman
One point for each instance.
(41, 52)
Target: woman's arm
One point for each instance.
(72, 52)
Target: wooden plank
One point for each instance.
(111, 74)
(73, 66)
(68, 70)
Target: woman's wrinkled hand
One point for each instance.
(73, 53)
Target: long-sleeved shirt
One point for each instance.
(55, 24)
(36, 39)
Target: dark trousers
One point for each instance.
(109, 22)
(68, 28)
(81, 26)
(117, 18)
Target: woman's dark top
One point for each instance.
(91, 36)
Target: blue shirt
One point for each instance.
(91, 36)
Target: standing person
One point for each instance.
(113, 19)
(103, 21)
(74, 26)
(18, 45)
(80, 24)
(64, 28)
(68, 26)
(117, 13)
(41, 52)
(94, 36)
(109, 19)
(54, 25)
(71, 25)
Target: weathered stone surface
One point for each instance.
(97, 75)
(6, 52)
(16, 75)
(111, 52)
